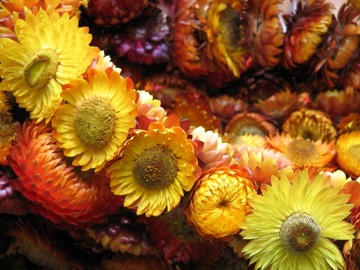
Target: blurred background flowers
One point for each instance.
(179, 134)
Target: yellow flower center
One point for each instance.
(354, 152)
(94, 122)
(41, 68)
(299, 232)
(301, 151)
(155, 168)
(248, 127)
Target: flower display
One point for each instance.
(179, 134)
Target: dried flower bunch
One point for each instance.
(179, 134)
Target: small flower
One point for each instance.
(292, 225)
(213, 152)
(303, 152)
(226, 107)
(59, 191)
(348, 153)
(349, 123)
(309, 124)
(96, 121)
(155, 167)
(44, 58)
(219, 202)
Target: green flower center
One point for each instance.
(299, 232)
(95, 122)
(41, 68)
(155, 168)
(354, 152)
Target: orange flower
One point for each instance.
(219, 202)
(60, 192)
(349, 123)
(348, 153)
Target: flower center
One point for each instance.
(248, 127)
(299, 232)
(155, 168)
(41, 68)
(301, 151)
(230, 25)
(354, 151)
(94, 122)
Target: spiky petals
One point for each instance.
(219, 202)
(97, 119)
(44, 58)
(303, 152)
(310, 124)
(291, 225)
(305, 30)
(349, 123)
(177, 239)
(156, 166)
(348, 153)
(213, 152)
(45, 178)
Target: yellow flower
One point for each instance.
(219, 202)
(292, 225)
(310, 124)
(95, 122)
(156, 166)
(348, 153)
(50, 52)
(304, 152)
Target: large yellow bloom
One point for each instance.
(291, 225)
(50, 52)
(155, 168)
(219, 202)
(96, 121)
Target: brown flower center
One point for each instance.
(301, 151)
(95, 122)
(41, 68)
(230, 25)
(299, 232)
(156, 168)
(354, 151)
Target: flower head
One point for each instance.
(349, 123)
(291, 225)
(43, 58)
(219, 202)
(348, 153)
(155, 167)
(96, 121)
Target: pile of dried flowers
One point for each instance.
(178, 134)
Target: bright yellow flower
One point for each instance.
(95, 122)
(348, 153)
(219, 202)
(50, 52)
(155, 168)
(292, 226)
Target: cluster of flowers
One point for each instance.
(224, 168)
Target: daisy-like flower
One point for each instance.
(262, 163)
(250, 123)
(155, 167)
(309, 124)
(219, 202)
(95, 122)
(44, 58)
(348, 153)
(292, 225)
(213, 152)
(303, 152)
(59, 191)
